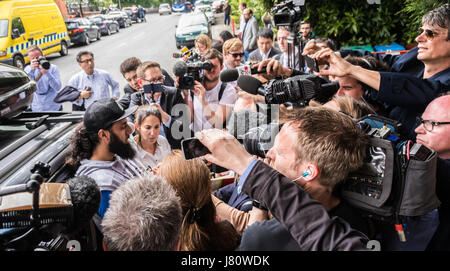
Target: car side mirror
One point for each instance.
(15, 33)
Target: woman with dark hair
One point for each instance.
(200, 231)
(225, 35)
(150, 146)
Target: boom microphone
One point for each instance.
(230, 75)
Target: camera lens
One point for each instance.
(259, 140)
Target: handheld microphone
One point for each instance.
(184, 51)
(230, 75)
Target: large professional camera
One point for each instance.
(190, 71)
(298, 90)
(259, 140)
(397, 179)
(289, 13)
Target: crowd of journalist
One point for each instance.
(286, 197)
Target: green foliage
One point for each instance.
(355, 22)
(259, 7)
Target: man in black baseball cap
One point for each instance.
(101, 150)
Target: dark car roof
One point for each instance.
(27, 138)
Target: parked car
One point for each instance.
(107, 24)
(82, 31)
(191, 25)
(132, 13)
(164, 9)
(122, 18)
(208, 12)
(218, 6)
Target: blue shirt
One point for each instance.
(47, 88)
(100, 82)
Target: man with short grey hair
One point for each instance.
(144, 214)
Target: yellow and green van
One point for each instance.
(30, 22)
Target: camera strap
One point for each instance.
(38, 77)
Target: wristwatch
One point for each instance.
(258, 205)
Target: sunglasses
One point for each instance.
(428, 33)
(235, 55)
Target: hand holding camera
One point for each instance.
(86, 93)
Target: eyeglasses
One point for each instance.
(156, 80)
(428, 33)
(87, 60)
(235, 55)
(429, 124)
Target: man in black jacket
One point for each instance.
(414, 79)
(167, 101)
(433, 132)
(303, 214)
(128, 68)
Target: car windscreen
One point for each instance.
(192, 20)
(71, 25)
(3, 28)
(96, 20)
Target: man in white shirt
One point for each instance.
(93, 84)
(213, 100)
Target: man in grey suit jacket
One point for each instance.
(249, 33)
(265, 46)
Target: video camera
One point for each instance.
(397, 179)
(289, 13)
(40, 215)
(298, 90)
(190, 71)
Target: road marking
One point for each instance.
(122, 44)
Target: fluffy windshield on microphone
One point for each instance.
(180, 68)
(229, 75)
(86, 196)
